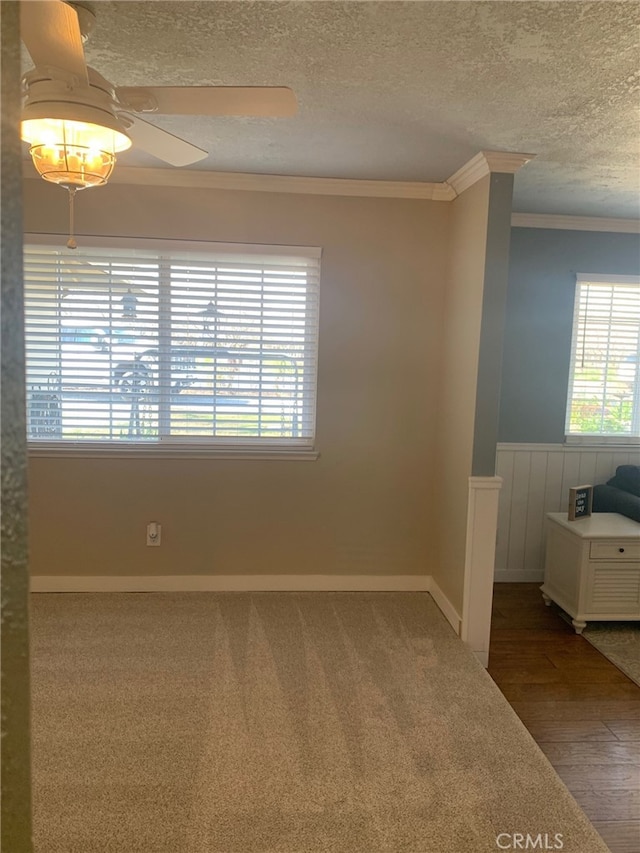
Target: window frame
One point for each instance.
(186, 446)
(596, 439)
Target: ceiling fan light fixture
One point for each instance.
(73, 153)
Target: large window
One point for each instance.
(214, 345)
(604, 381)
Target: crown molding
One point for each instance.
(483, 164)
(281, 183)
(196, 179)
(445, 192)
(575, 223)
(506, 161)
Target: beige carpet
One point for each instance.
(277, 723)
(619, 642)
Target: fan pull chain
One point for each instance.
(71, 243)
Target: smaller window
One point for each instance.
(604, 378)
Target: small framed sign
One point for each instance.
(580, 502)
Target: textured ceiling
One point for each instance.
(403, 91)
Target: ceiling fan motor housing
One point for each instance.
(48, 96)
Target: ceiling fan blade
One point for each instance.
(162, 144)
(51, 33)
(276, 101)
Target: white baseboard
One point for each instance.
(231, 583)
(448, 610)
(514, 576)
(249, 583)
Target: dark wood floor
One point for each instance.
(581, 710)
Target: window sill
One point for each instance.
(96, 450)
(621, 441)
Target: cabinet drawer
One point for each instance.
(612, 550)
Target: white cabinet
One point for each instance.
(592, 567)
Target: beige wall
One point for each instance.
(365, 506)
(459, 375)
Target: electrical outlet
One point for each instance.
(154, 531)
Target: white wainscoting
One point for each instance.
(482, 515)
(536, 479)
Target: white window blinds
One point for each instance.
(163, 345)
(604, 380)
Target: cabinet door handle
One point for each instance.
(621, 550)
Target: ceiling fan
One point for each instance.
(75, 121)
(64, 97)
